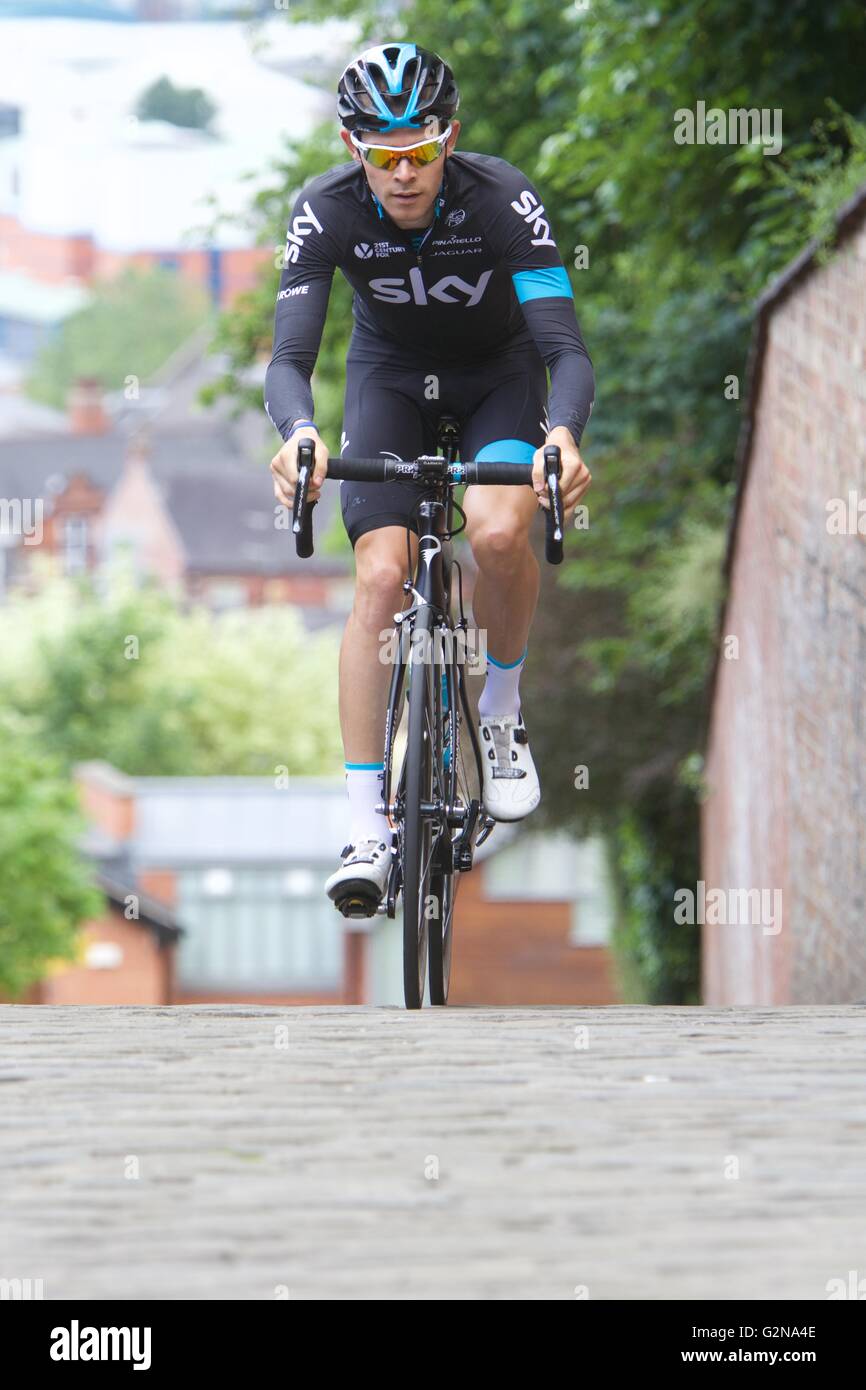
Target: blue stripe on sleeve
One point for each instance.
(545, 283)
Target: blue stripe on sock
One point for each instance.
(364, 767)
(507, 665)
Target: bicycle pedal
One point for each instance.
(487, 824)
(357, 905)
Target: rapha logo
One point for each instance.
(451, 289)
(301, 226)
(363, 250)
(533, 212)
(455, 218)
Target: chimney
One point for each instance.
(107, 798)
(138, 449)
(87, 414)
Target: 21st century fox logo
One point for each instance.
(76, 1343)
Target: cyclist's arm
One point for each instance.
(545, 295)
(299, 318)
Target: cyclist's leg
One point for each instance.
(508, 423)
(383, 416)
(380, 418)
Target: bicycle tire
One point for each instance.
(445, 881)
(417, 829)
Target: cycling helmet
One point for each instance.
(395, 87)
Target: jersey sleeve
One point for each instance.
(307, 272)
(543, 289)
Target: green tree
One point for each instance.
(189, 107)
(131, 327)
(129, 677)
(46, 892)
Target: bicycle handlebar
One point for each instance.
(427, 468)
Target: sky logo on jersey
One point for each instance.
(532, 211)
(301, 226)
(391, 291)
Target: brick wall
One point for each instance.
(53, 259)
(143, 975)
(519, 953)
(786, 747)
(43, 255)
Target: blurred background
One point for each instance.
(171, 785)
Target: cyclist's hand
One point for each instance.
(284, 468)
(574, 479)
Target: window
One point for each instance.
(274, 929)
(75, 538)
(548, 867)
(226, 593)
(534, 866)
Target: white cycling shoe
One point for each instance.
(356, 888)
(511, 787)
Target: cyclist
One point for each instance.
(461, 302)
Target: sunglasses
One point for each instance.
(389, 156)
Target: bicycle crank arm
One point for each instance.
(462, 846)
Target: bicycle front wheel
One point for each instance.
(417, 832)
(451, 778)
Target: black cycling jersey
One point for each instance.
(487, 278)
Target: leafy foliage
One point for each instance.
(130, 678)
(45, 890)
(129, 329)
(190, 107)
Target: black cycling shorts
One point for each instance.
(392, 405)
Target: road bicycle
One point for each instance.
(434, 802)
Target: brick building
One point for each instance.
(785, 811)
(126, 956)
(175, 490)
(226, 874)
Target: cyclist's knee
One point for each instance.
(380, 567)
(500, 545)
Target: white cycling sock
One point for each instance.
(501, 694)
(364, 785)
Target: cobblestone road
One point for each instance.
(224, 1152)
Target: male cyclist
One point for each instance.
(461, 303)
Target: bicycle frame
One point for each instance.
(431, 587)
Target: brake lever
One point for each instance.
(302, 510)
(553, 514)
